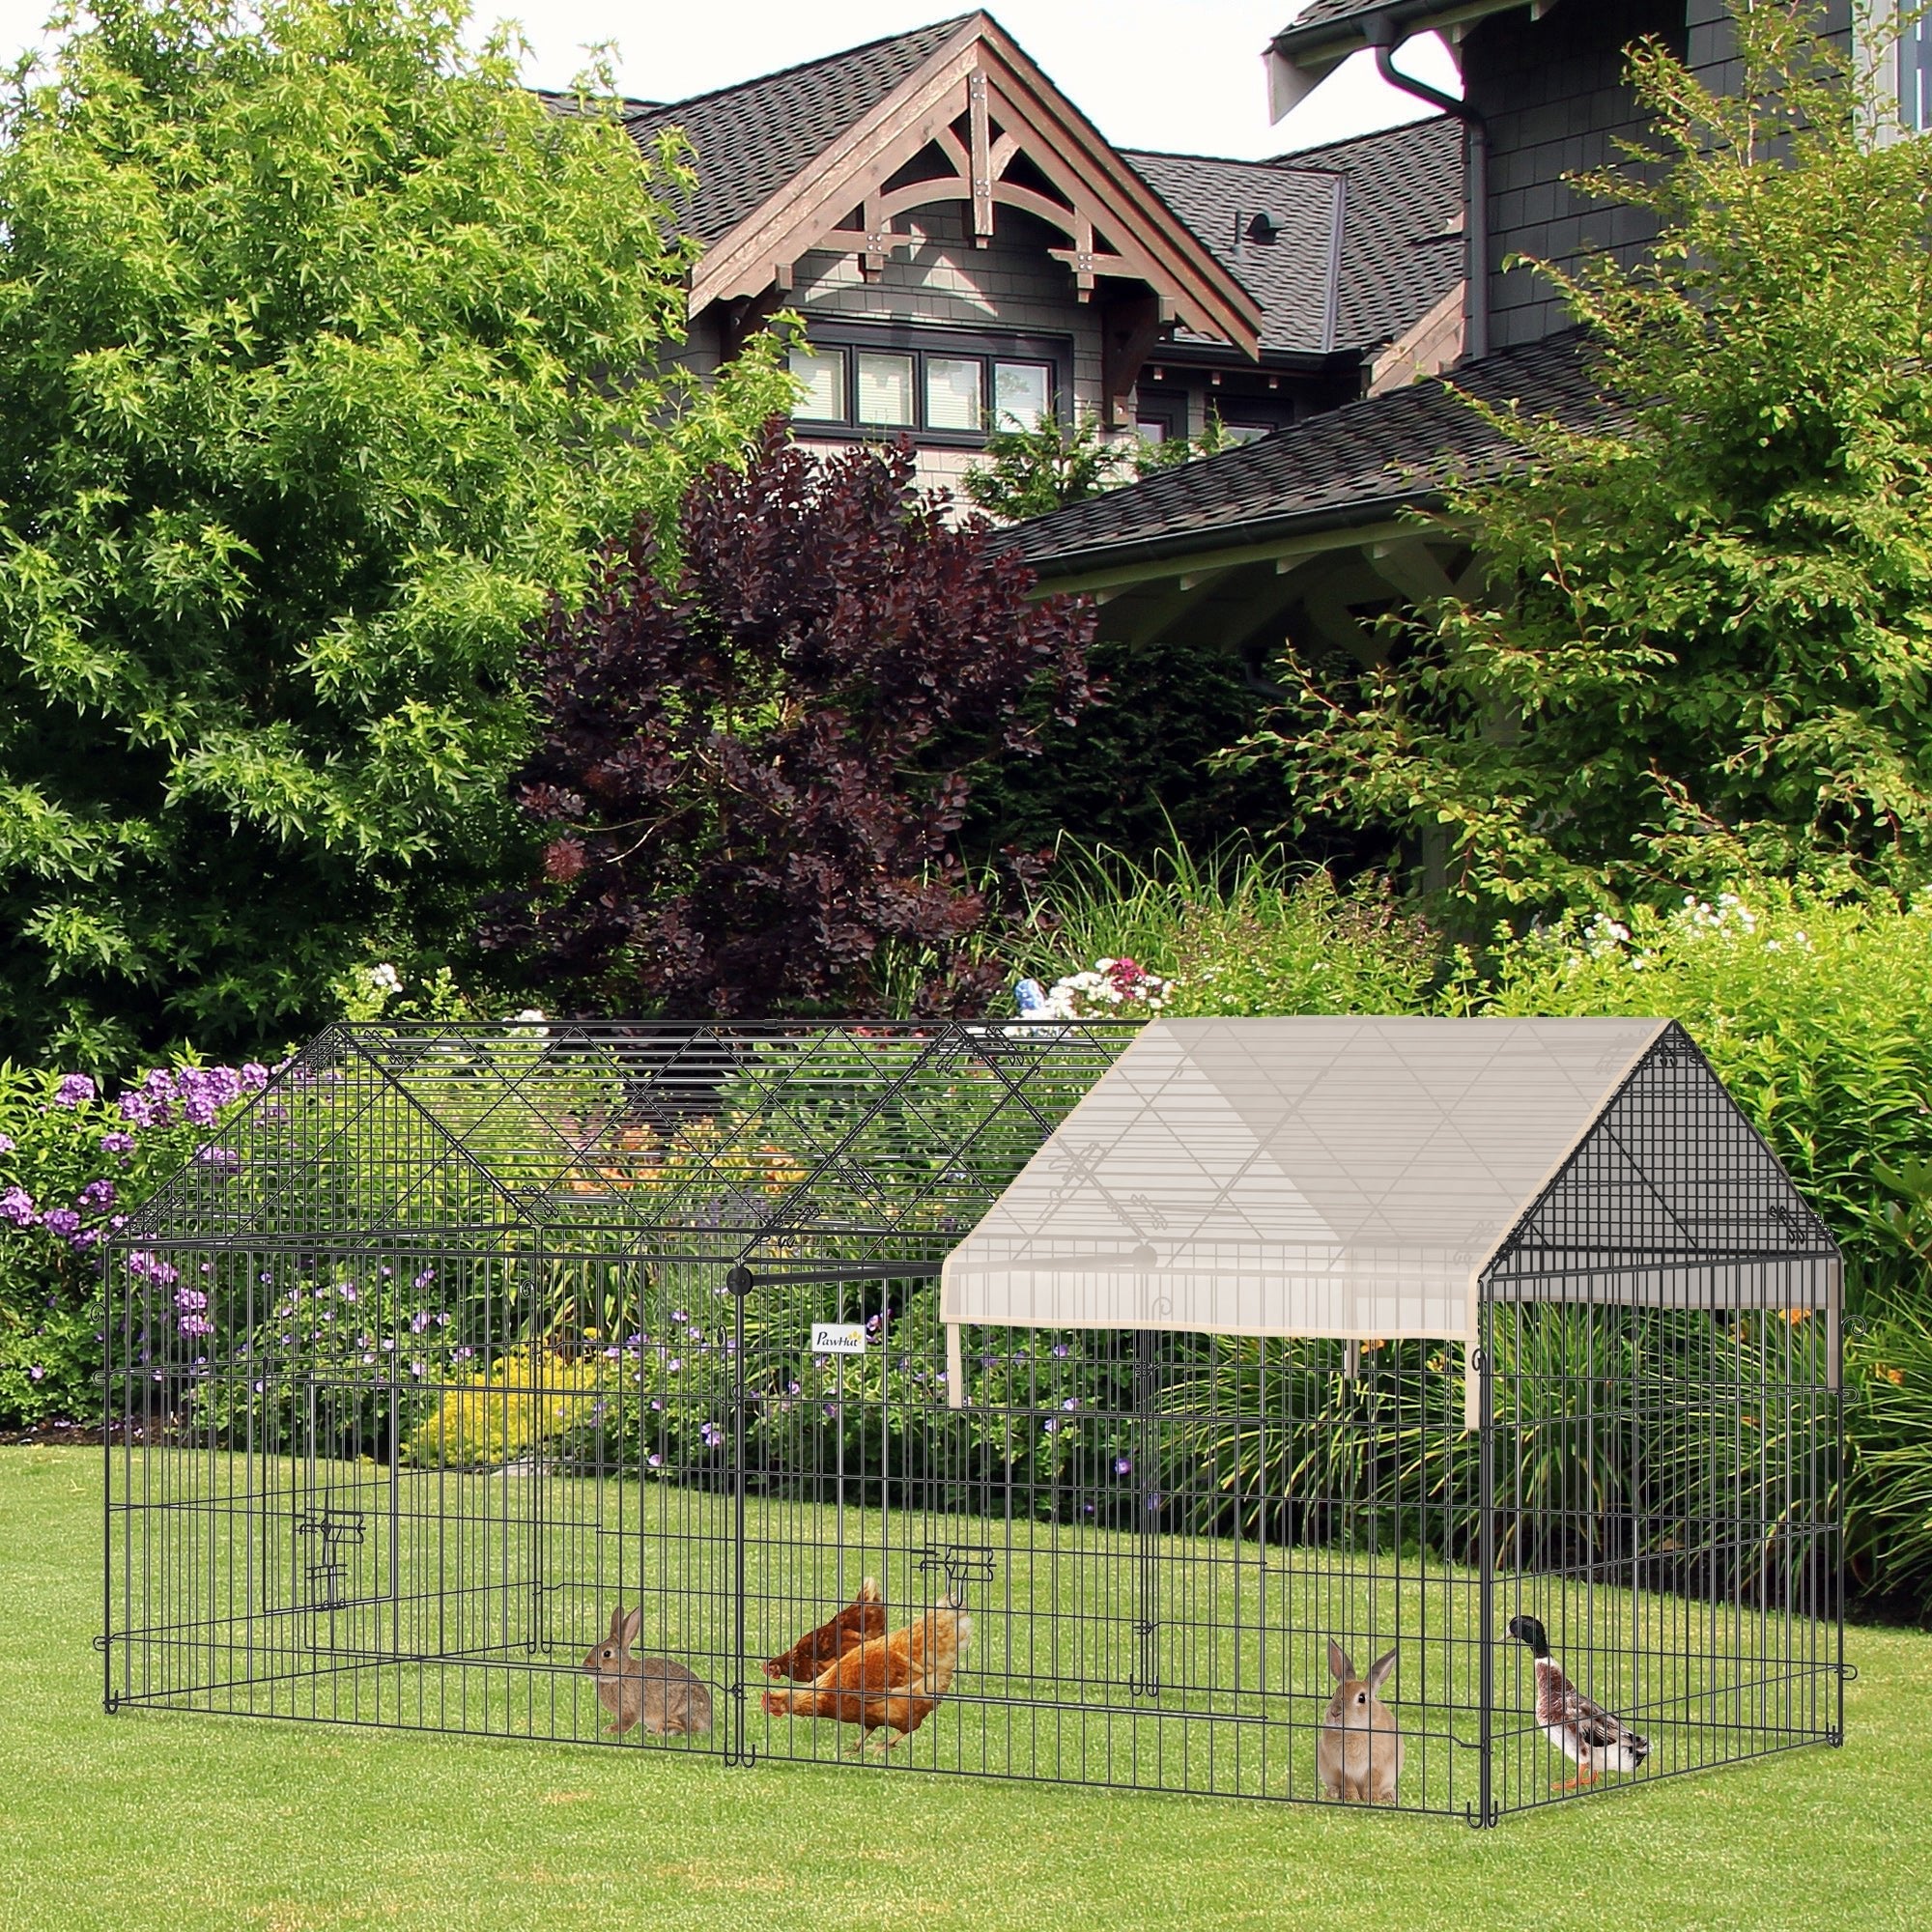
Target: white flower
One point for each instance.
(531, 1016)
(386, 977)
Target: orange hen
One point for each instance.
(890, 1684)
(863, 1617)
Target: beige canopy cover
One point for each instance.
(1327, 1177)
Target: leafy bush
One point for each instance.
(1030, 472)
(1136, 772)
(1817, 1014)
(1889, 1453)
(70, 1165)
(752, 771)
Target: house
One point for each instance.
(967, 251)
(1306, 536)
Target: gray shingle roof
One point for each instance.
(1320, 13)
(1291, 276)
(1355, 465)
(1399, 254)
(1402, 248)
(1327, 27)
(753, 138)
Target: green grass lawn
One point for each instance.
(181, 1821)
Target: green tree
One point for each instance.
(325, 353)
(1705, 647)
(1031, 471)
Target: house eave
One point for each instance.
(1298, 59)
(1111, 566)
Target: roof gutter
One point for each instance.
(1381, 34)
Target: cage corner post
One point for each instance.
(1834, 1394)
(540, 1313)
(738, 1749)
(105, 1642)
(1488, 1812)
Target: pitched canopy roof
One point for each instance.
(939, 114)
(1369, 231)
(1361, 1177)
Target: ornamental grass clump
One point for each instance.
(1241, 932)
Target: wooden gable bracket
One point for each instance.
(979, 166)
(1129, 329)
(879, 241)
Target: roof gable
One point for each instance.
(785, 163)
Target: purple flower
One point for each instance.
(1123, 1465)
(1060, 1350)
(657, 1462)
(1071, 1402)
(424, 1279)
(17, 1205)
(8, 1142)
(224, 1160)
(74, 1091)
(420, 1321)
(95, 1197)
(139, 1111)
(673, 1365)
(713, 1436)
(117, 1143)
(60, 1221)
(36, 1372)
(254, 1075)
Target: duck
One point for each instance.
(1593, 1739)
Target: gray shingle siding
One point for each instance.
(1553, 96)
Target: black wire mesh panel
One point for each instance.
(465, 1349)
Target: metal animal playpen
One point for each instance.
(1034, 1399)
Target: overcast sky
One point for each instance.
(1183, 75)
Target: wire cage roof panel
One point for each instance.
(778, 1142)
(1356, 1177)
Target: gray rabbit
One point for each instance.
(654, 1692)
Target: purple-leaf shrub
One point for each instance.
(754, 768)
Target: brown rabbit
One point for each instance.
(1359, 1753)
(663, 1697)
